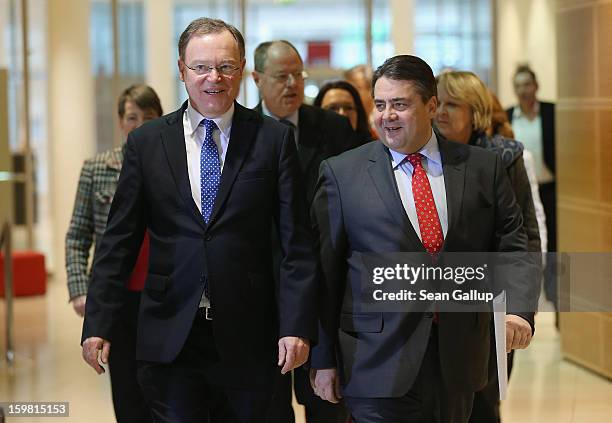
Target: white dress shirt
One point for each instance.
(194, 134)
(432, 163)
(194, 137)
(529, 132)
(537, 202)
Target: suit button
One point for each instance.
(428, 315)
(208, 237)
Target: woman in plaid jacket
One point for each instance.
(96, 188)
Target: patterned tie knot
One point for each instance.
(209, 125)
(415, 159)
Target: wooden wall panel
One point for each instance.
(576, 54)
(584, 139)
(605, 140)
(604, 49)
(576, 153)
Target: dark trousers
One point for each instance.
(188, 390)
(427, 401)
(317, 410)
(128, 401)
(548, 195)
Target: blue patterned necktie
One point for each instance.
(210, 170)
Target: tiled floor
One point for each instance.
(543, 387)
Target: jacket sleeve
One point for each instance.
(80, 234)
(298, 264)
(519, 270)
(522, 190)
(332, 245)
(117, 250)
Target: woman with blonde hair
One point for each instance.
(465, 114)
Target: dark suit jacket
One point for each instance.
(261, 183)
(323, 134)
(357, 211)
(547, 114)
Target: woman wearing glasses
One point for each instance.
(342, 98)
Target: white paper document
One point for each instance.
(499, 321)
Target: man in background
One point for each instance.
(533, 122)
(279, 75)
(361, 78)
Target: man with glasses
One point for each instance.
(279, 75)
(206, 182)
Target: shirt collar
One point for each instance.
(223, 122)
(431, 151)
(293, 117)
(517, 112)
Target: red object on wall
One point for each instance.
(29, 274)
(319, 53)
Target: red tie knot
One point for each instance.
(414, 159)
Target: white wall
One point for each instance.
(526, 32)
(161, 52)
(402, 31)
(71, 111)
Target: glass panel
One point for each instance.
(131, 60)
(11, 58)
(455, 34)
(382, 44)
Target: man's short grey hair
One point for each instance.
(261, 53)
(203, 26)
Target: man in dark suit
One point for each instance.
(207, 181)
(279, 75)
(411, 192)
(533, 123)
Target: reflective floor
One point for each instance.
(48, 367)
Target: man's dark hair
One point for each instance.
(203, 26)
(525, 68)
(143, 96)
(261, 53)
(408, 68)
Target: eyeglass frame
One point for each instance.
(216, 68)
(283, 78)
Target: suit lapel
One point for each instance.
(173, 139)
(453, 165)
(244, 129)
(382, 175)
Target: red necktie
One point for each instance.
(429, 222)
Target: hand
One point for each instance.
(292, 352)
(78, 303)
(325, 384)
(518, 332)
(93, 348)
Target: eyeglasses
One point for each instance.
(282, 78)
(225, 69)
